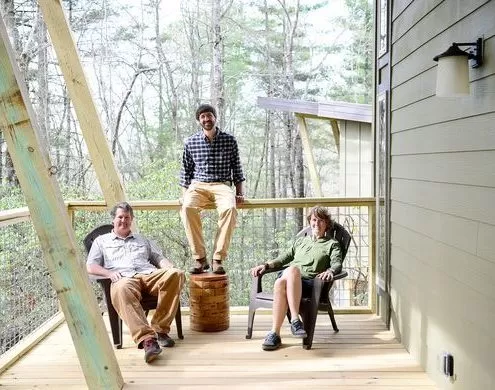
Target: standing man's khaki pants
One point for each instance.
(198, 196)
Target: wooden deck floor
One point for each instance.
(363, 355)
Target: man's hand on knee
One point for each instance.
(115, 276)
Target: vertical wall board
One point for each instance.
(356, 166)
(366, 160)
(349, 158)
(52, 224)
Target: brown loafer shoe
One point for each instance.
(200, 266)
(218, 267)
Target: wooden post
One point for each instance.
(336, 134)
(308, 153)
(51, 221)
(87, 114)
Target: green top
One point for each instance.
(312, 257)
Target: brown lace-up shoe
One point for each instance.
(218, 267)
(200, 265)
(164, 340)
(151, 349)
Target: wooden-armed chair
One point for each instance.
(148, 302)
(319, 300)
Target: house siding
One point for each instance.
(356, 164)
(442, 249)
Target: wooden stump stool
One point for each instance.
(209, 302)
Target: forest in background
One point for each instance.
(150, 63)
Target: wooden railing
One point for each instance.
(265, 227)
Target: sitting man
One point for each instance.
(136, 266)
(315, 256)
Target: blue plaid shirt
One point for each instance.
(216, 161)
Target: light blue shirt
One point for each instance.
(128, 256)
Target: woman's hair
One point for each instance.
(321, 213)
(124, 206)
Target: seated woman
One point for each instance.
(314, 256)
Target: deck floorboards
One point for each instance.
(363, 355)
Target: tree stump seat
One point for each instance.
(209, 302)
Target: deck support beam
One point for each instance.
(84, 106)
(37, 178)
(336, 134)
(308, 154)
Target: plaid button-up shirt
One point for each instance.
(210, 162)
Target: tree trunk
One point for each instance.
(43, 112)
(164, 67)
(217, 72)
(191, 14)
(9, 18)
(294, 160)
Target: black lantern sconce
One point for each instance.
(453, 69)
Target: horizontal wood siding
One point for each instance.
(443, 193)
(451, 21)
(469, 168)
(466, 134)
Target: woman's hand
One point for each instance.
(258, 270)
(326, 276)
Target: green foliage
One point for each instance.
(123, 39)
(357, 86)
(27, 297)
(159, 180)
(11, 197)
(331, 59)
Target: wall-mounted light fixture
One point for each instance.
(452, 70)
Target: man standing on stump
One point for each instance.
(211, 175)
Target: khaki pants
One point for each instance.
(198, 196)
(126, 293)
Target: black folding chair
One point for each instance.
(148, 302)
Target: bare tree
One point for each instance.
(165, 71)
(218, 53)
(8, 11)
